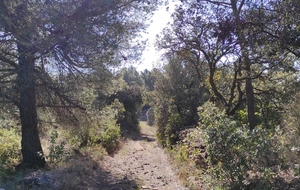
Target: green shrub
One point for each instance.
(10, 153)
(162, 114)
(168, 134)
(57, 151)
(181, 153)
(110, 138)
(98, 127)
(105, 131)
(235, 153)
(131, 98)
(150, 117)
(291, 133)
(172, 129)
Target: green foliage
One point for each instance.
(181, 153)
(241, 116)
(57, 151)
(108, 132)
(148, 79)
(99, 127)
(110, 138)
(9, 151)
(172, 129)
(150, 117)
(131, 98)
(291, 132)
(188, 161)
(178, 96)
(9, 118)
(234, 153)
(162, 114)
(131, 76)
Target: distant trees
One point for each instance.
(137, 92)
(131, 76)
(148, 79)
(44, 41)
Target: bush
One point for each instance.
(131, 98)
(162, 114)
(150, 117)
(110, 138)
(57, 151)
(105, 130)
(98, 127)
(168, 134)
(237, 158)
(10, 153)
(291, 132)
(102, 136)
(172, 129)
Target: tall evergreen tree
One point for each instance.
(43, 39)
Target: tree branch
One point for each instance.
(57, 92)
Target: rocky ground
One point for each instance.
(143, 161)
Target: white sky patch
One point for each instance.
(160, 19)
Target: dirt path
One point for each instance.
(143, 161)
(140, 164)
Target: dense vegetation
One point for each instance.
(51, 50)
(229, 83)
(238, 63)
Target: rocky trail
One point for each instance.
(144, 162)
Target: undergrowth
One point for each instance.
(57, 150)
(10, 151)
(237, 158)
(187, 169)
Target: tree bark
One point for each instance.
(247, 62)
(31, 146)
(250, 97)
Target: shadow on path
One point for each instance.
(85, 173)
(144, 137)
(81, 172)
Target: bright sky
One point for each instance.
(160, 19)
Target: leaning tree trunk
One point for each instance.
(31, 145)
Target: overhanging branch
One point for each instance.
(63, 98)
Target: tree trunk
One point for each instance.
(245, 55)
(31, 146)
(250, 99)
